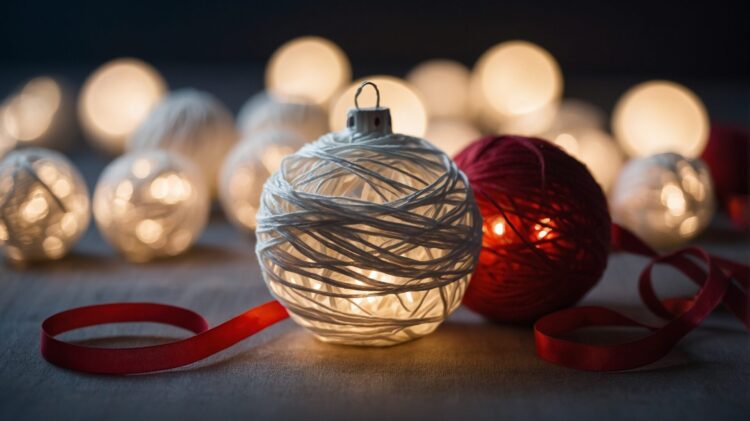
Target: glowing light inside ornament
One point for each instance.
(660, 116)
(307, 69)
(444, 86)
(151, 204)
(368, 237)
(44, 205)
(665, 199)
(116, 98)
(28, 115)
(518, 77)
(407, 107)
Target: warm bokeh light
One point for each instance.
(451, 135)
(307, 69)
(116, 98)
(518, 77)
(660, 116)
(44, 205)
(407, 108)
(444, 86)
(665, 199)
(150, 204)
(596, 149)
(29, 114)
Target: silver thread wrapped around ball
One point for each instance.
(192, 123)
(265, 112)
(247, 167)
(368, 237)
(44, 205)
(665, 199)
(151, 204)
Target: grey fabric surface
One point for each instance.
(468, 368)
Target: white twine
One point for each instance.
(368, 239)
(44, 205)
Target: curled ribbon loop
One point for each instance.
(717, 284)
(204, 343)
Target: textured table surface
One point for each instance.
(468, 367)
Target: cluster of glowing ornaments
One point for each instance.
(115, 99)
(151, 204)
(44, 205)
(665, 199)
(368, 237)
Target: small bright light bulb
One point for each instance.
(660, 116)
(309, 69)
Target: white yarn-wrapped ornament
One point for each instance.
(665, 199)
(192, 123)
(265, 112)
(247, 167)
(368, 237)
(151, 204)
(44, 205)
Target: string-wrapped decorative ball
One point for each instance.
(368, 237)
(192, 123)
(265, 112)
(44, 205)
(247, 167)
(546, 228)
(151, 204)
(665, 199)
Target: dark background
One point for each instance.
(602, 47)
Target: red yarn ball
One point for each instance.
(546, 228)
(727, 155)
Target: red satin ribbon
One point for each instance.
(720, 281)
(206, 341)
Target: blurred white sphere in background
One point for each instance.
(44, 205)
(195, 125)
(246, 169)
(150, 204)
(665, 199)
(266, 112)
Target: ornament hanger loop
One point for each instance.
(359, 91)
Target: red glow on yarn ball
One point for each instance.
(546, 228)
